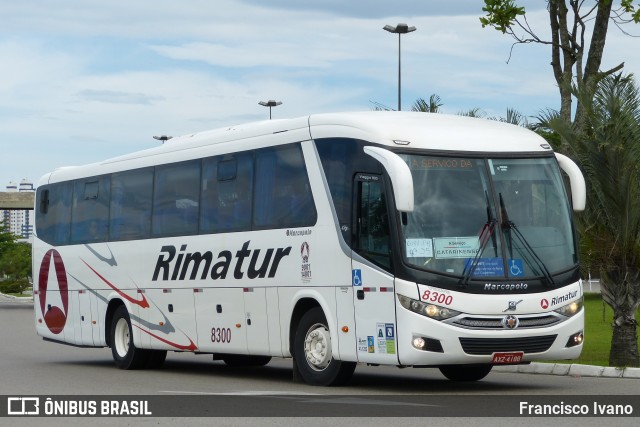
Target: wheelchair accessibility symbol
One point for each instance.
(516, 268)
(356, 277)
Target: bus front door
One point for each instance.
(372, 283)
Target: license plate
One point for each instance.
(507, 358)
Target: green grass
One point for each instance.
(597, 332)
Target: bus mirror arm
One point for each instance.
(576, 179)
(400, 175)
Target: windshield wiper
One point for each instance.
(509, 225)
(489, 227)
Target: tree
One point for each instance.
(435, 102)
(608, 151)
(15, 262)
(569, 21)
(475, 112)
(6, 239)
(513, 117)
(420, 105)
(433, 106)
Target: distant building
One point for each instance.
(19, 222)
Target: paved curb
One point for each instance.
(17, 299)
(574, 370)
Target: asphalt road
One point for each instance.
(375, 396)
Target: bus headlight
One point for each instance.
(429, 310)
(571, 308)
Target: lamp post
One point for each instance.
(271, 103)
(399, 30)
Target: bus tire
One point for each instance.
(313, 352)
(466, 372)
(243, 360)
(156, 359)
(125, 354)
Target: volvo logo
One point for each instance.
(510, 322)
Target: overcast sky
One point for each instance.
(86, 80)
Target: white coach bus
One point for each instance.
(389, 238)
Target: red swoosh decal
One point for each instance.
(191, 347)
(142, 303)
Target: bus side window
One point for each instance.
(227, 186)
(54, 222)
(372, 223)
(282, 195)
(176, 199)
(43, 201)
(90, 211)
(130, 209)
(338, 157)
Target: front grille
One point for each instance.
(485, 346)
(496, 322)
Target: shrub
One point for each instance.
(14, 286)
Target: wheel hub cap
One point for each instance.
(317, 347)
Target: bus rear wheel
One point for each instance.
(313, 352)
(466, 372)
(156, 359)
(125, 354)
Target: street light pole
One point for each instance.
(399, 29)
(271, 103)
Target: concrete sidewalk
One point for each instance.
(591, 286)
(571, 369)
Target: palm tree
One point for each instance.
(435, 102)
(608, 150)
(377, 106)
(514, 117)
(476, 112)
(433, 106)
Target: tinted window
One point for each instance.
(267, 188)
(373, 223)
(341, 158)
(54, 214)
(90, 211)
(131, 204)
(176, 198)
(282, 193)
(227, 186)
(337, 161)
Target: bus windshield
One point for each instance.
(483, 217)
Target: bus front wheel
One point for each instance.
(125, 353)
(313, 352)
(465, 372)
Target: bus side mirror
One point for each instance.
(576, 180)
(398, 171)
